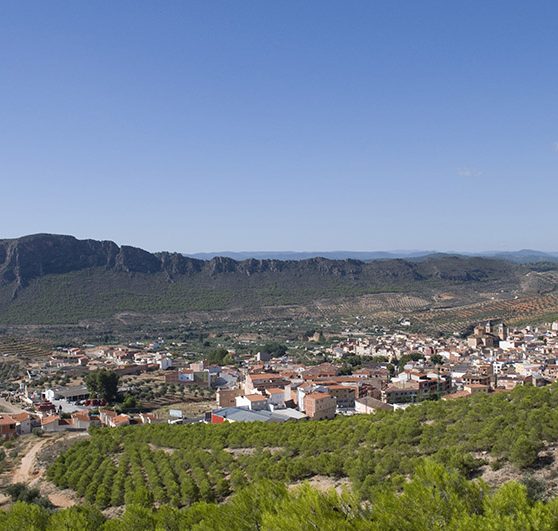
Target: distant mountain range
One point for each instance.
(52, 279)
(523, 256)
(305, 255)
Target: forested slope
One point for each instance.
(412, 470)
(54, 279)
(435, 499)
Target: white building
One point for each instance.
(276, 396)
(252, 402)
(369, 405)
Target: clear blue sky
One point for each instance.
(281, 125)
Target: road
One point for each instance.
(25, 472)
(28, 473)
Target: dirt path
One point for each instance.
(25, 473)
(29, 474)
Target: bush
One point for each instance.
(525, 450)
(21, 492)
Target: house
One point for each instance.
(70, 394)
(181, 376)
(106, 416)
(276, 396)
(320, 406)
(197, 366)
(288, 413)
(413, 386)
(457, 394)
(81, 420)
(7, 427)
(113, 419)
(226, 397)
(345, 395)
(476, 388)
(147, 418)
(509, 382)
(370, 405)
(380, 373)
(53, 423)
(120, 357)
(45, 408)
(403, 392)
(164, 363)
(307, 388)
(253, 402)
(262, 381)
(120, 420)
(473, 378)
(324, 370)
(23, 422)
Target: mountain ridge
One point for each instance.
(23, 259)
(47, 278)
(520, 256)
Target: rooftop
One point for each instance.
(236, 414)
(256, 398)
(318, 396)
(368, 401)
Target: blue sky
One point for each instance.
(260, 125)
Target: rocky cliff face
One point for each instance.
(24, 259)
(51, 279)
(30, 257)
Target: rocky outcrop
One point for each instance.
(24, 259)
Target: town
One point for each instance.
(354, 374)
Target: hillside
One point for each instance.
(60, 279)
(440, 465)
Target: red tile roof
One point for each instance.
(50, 419)
(255, 398)
(317, 396)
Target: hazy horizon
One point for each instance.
(223, 252)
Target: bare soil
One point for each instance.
(191, 408)
(30, 469)
(324, 483)
(546, 473)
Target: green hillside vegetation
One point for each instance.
(97, 293)
(411, 470)
(436, 498)
(50, 279)
(405, 467)
(157, 464)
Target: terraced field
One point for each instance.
(514, 311)
(446, 312)
(22, 348)
(393, 303)
(9, 371)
